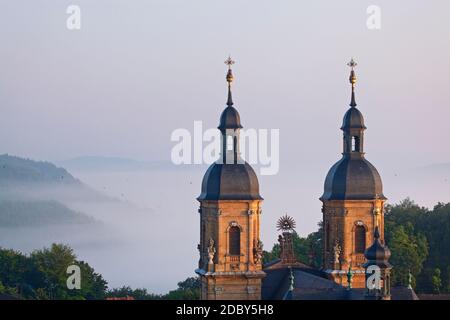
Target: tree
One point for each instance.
(269, 256)
(447, 289)
(188, 289)
(43, 275)
(137, 294)
(408, 253)
(433, 226)
(436, 281)
(307, 250)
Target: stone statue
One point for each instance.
(337, 252)
(281, 242)
(257, 251)
(211, 251)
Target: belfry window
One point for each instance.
(360, 239)
(355, 144)
(230, 143)
(234, 241)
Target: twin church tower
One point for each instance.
(230, 264)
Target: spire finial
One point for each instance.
(229, 62)
(291, 280)
(376, 234)
(349, 276)
(352, 64)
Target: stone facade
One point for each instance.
(230, 276)
(341, 220)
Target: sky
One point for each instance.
(138, 70)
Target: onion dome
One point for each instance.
(230, 119)
(353, 179)
(377, 254)
(353, 119)
(230, 182)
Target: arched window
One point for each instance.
(355, 144)
(360, 239)
(327, 237)
(234, 241)
(230, 143)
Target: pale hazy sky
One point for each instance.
(137, 70)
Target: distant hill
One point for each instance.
(115, 164)
(39, 213)
(15, 169)
(37, 193)
(99, 163)
(27, 179)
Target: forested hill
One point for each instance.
(15, 169)
(38, 193)
(39, 213)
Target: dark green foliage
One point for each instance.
(409, 251)
(137, 294)
(419, 239)
(188, 289)
(43, 275)
(307, 250)
(272, 255)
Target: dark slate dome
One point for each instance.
(230, 182)
(353, 118)
(353, 179)
(230, 119)
(378, 253)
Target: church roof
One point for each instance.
(230, 119)
(378, 253)
(312, 284)
(353, 119)
(230, 182)
(353, 179)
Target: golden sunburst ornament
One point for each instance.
(286, 223)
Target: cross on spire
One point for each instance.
(229, 62)
(352, 64)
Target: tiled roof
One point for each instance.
(312, 284)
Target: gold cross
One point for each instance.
(352, 64)
(229, 62)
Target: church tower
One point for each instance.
(230, 265)
(377, 256)
(353, 202)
